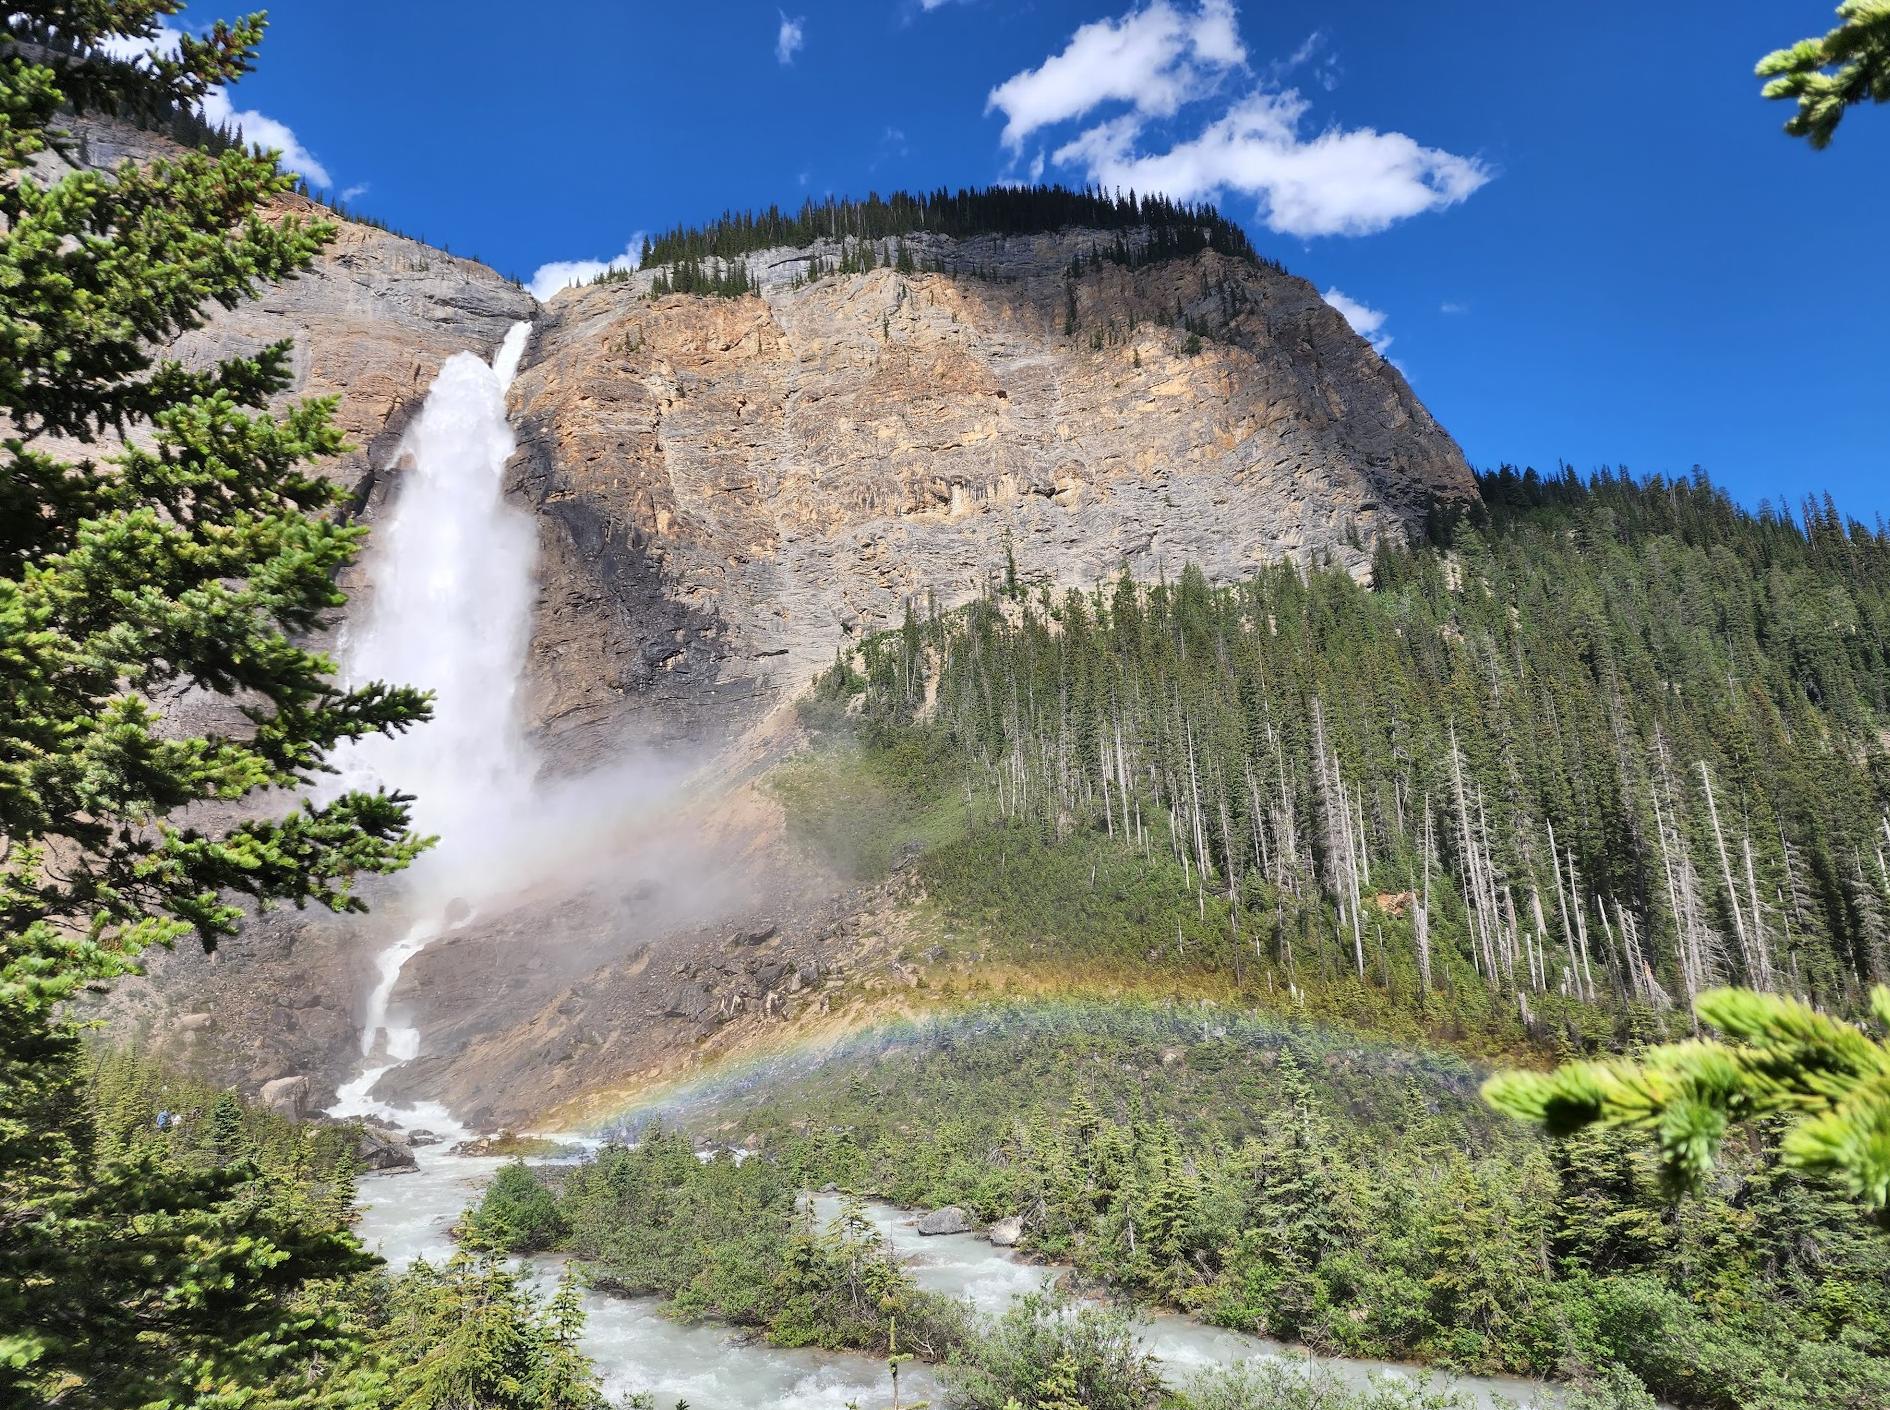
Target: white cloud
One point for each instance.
(1316, 54)
(163, 41)
(1308, 47)
(892, 144)
(910, 10)
(261, 130)
(548, 279)
(256, 129)
(1155, 58)
(791, 38)
(1367, 322)
(1452, 306)
(355, 192)
(1341, 182)
(1159, 59)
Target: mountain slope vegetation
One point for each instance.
(1601, 746)
(1597, 747)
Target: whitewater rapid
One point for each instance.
(448, 609)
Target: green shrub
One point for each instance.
(1277, 1385)
(517, 1213)
(1046, 1354)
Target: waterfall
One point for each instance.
(448, 609)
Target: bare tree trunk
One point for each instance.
(1562, 909)
(1421, 926)
(1750, 962)
(1758, 918)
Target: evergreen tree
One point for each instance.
(1287, 1226)
(226, 1128)
(189, 559)
(472, 1335)
(1827, 75)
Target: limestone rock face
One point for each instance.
(729, 488)
(371, 321)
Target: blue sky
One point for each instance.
(1579, 227)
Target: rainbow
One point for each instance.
(781, 1059)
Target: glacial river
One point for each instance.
(408, 1216)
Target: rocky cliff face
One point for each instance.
(371, 322)
(727, 490)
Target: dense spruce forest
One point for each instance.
(1598, 747)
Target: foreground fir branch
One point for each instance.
(1828, 75)
(1827, 1077)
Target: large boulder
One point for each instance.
(695, 1001)
(287, 1096)
(949, 1220)
(1006, 1232)
(384, 1150)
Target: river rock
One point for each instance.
(287, 1096)
(492, 1143)
(384, 1150)
(1006, 1232)
(949, 1220)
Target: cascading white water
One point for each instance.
(449, 610)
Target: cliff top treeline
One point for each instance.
(997, 210)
